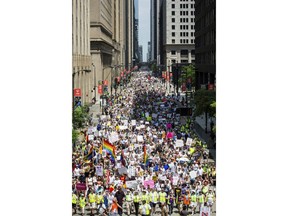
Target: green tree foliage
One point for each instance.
(75, 135)
(80, 115)
(213, 107)
(188, 72)
(203, 100)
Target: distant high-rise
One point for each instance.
(149, 52)
(178, 32)
(155, 6)
(205, 43)
(140, 53)
(136, 27)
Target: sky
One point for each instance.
(144, 25)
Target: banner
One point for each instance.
(100, 90)
(77, 92)
(81, 186)
(131, 184)
(189, 141)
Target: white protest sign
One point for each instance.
(125, 122)
(154, 115)
(123, 170)
(113, 137)
(146, 114)
(189, 141)
(147, 123)
(162, 178)
(175, 180)
(169, 115)
(140, 139)
(122, 127)
(137, 145)
(142, 126)
(90, 137)
(131, 184)
(133, 122)
(179, 143)
(99, 170)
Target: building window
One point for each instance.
(173, 41)
(173, 52)
(180, 40)
(180, 5)
(173, 5)
(173, 26)
(173, 34)
(180, 19)
(192, 13)
(173, 19)
(192, 26)
(172, 13)
(181, 27)
(187, 20)
(192, 34)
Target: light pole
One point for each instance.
(102, 86)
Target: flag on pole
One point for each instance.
(145, 158)
(110, 149)
(100, 150)
(89, 156)
(122, 158)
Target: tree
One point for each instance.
(75, 135)
(80, 115)
(188, 73)
(203, 100)
(213, 107)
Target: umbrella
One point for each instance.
(182, 159)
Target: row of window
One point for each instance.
(183, 52)
(183, 34)
(183, 41)
(206, 58)
(182, 27)
(183, 6)
(182, 20)
(183, 13)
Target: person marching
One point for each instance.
(115, 208)
(128, 199)
(74, 202)
(200, 199)
(186, 200)
(99, 201)
(153, 199)
(210, 198)
(171, 200)
(162, 200)
(136, 200)
(92, 200)
(193, 202)
(82, 204)
(145, 208)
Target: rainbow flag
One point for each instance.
(145, 158)
(109, 148)
(89, 156)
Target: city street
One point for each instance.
(140, 144)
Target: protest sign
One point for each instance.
(149, 183)
(133, 122)
(125, 122)
(113, 137)
(131, 184)
(154, 115)
(179, 143)
(90, 137)
(122, 170)
(122, 127)
(99, 170)
(175, 180)
(140, 139)
(146, 114)
(205, 211)
(189, 141)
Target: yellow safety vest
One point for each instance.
(92, 198)
(99, 198)
(136, 199)
(145, 197)
(201, 199)
(211, 196)
(162, 197)
(193, 198)
(128, 197)
(146, 206)
(154, 197)
(74, 199)
(205, 189)
(82, 202)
